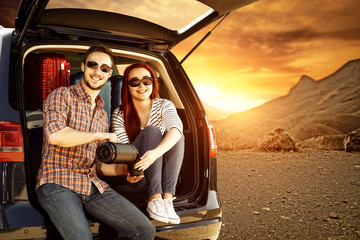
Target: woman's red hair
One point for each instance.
(131, 117)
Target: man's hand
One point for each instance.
(111, 137)
(134, 179)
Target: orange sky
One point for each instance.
(260, 51)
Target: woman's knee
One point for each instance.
(152, 134)
(149, 137)
(152, 131)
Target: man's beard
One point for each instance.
(91, 87)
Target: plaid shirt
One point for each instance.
(71, 167)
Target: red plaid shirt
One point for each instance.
(71, 167)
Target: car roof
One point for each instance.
(166, 22)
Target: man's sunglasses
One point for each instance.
(135, 82)
(94, 65)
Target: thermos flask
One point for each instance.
(109, 152)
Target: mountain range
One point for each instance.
(215, 113)
(312, 109)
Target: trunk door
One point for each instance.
(156, 21)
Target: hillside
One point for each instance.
(215, 113)
(327, 107)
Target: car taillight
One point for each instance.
(11, 142)
(212, 141)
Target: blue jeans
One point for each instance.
(66, 211)
(162, 175)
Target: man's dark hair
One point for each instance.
(99, 48)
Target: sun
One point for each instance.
(207, 91)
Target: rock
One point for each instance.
(352, 141)
(333, 215)
(285, 218)
(326, 142)
(277, 140)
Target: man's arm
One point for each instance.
(69, 137)
(111, 169)
(116, 170)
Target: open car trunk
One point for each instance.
(188, 184)
(60, 26)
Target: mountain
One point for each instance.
(327, 107)
(215, 113)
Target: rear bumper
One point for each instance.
(24, 222)
(208, 229)
(200, 223)
(190, 228)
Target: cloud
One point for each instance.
(278, 35)
(244, 70)
(264, 48)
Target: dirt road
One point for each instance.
(306, 195)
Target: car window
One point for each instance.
(165, 13)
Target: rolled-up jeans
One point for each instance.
(66, 211)
(162, 175)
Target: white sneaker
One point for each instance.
(156, 210)
(169, 208)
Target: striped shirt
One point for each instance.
(163, 115)
(71, 167)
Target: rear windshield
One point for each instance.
(172, 14)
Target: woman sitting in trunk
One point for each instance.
(153, 126)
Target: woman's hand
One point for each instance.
(146, 160)
(170, 139)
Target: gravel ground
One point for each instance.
(303, 195)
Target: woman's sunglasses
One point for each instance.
(94, 65)
(135, 82)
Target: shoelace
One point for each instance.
(158, 205)
(169, 208)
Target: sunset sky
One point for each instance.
(260, 51)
